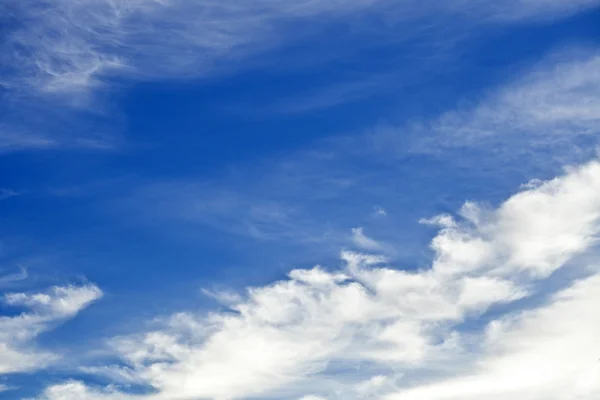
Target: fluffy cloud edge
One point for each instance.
(370, 330)
(42, 312)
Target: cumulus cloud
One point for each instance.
(545, 353)
(43, 311)
(369, 330)
(535, 232)
(74, 390)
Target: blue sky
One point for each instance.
(311, 200)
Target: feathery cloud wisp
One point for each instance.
(555, 103)
(72, 50)
(69, 46)
(363, 241)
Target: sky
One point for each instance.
(309, 200)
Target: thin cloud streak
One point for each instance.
(68, 45)
(553, 104)
(8, 193)
(76, 51)
(363, 241)
(14, 277)
(550, 107)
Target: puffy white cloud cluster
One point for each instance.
(481, 321)
(43, 311)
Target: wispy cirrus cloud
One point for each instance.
(543, 119)
(12, 139)
(71, 53)
(77, 52)
(369, 329)
(517, 10)
(14, 277)
(248, 211)
(8, 193)
(363, 241)
(554, 103)
(71, 45)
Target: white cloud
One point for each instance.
(14, 277)
(241, 212)
(372, 330)
(380, 212)
(536, 231)
(554, 103)
(363, 241)
(310, 397)
(44, 310)
(74, 390)
(67, 46)
(34, 124)
(301, 198)
(225, 297)
(70, 50)
(12, 139)
(548, 353)
(516, 10)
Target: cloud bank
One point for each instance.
(370, 330)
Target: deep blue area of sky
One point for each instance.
(178, 128)
(239, 118)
